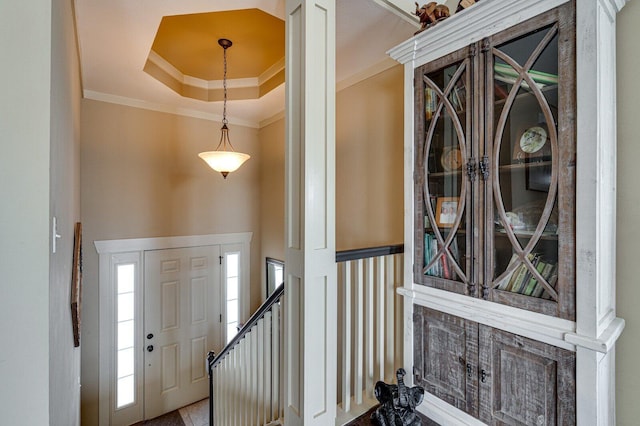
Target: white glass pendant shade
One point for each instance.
(224, 161)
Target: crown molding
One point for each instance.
(152, 106)
(365, 74)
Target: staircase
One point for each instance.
(246, 377)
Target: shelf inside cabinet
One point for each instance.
(527, 234)
(516, 166)
(544, 89)
(447, 173)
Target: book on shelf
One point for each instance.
(506, 281)
(546, 273)
(542, 78)
(442, 267)
(533, 282)
(518, 278)
(430, 102)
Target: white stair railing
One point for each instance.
(369, 337)
(246, 377)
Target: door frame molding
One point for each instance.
(108, 251)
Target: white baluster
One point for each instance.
(346, 336)
(266, 404)
(369, 327)
(247, 378)
(275, 361)
(359, 334)
(389, 320)
(380, 317)
(260, 373)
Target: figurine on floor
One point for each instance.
(397, 403)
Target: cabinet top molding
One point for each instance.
(484, 19)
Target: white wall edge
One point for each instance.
(159, 243)
(186, 112)
(604, 343)
(533, 325)
(445, 414)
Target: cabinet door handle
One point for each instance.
(469, 371)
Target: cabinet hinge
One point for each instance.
(486, 46)
(220, 257)
(471, 169)
(484, 167)
(220, 317)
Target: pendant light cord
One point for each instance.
(224, 85)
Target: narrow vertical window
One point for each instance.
(232, 278)
(125, 326)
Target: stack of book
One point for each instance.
(522, 281)
(443, 267)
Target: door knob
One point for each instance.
(150, 348)
(150, 336)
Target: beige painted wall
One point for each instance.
(64, 358)
(628, 220)
(369, 162)
(141, 177)
(272, 193)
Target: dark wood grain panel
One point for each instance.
(526, 382)
(445, 357)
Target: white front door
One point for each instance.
(182, 322)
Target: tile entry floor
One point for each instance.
(196, 414)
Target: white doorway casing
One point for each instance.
(132, 251)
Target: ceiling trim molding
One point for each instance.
(211, 90)
(276, 117)
(186, 112)
(365, 74)
(400, 8)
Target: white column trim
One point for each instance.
(311, 271)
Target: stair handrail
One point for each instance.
(363, 253)
(253, 320)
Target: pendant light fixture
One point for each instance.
(224, 159)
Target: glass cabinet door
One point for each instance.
(523, 147)
(442, 189)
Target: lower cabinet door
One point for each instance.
(446, 356)
(499, 377)
(524, 382)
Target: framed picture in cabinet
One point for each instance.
(446, 211)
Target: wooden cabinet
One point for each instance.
(495, 167)
(499, 377)
(509, 181)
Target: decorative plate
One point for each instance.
(451, 159)
(533, 139)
